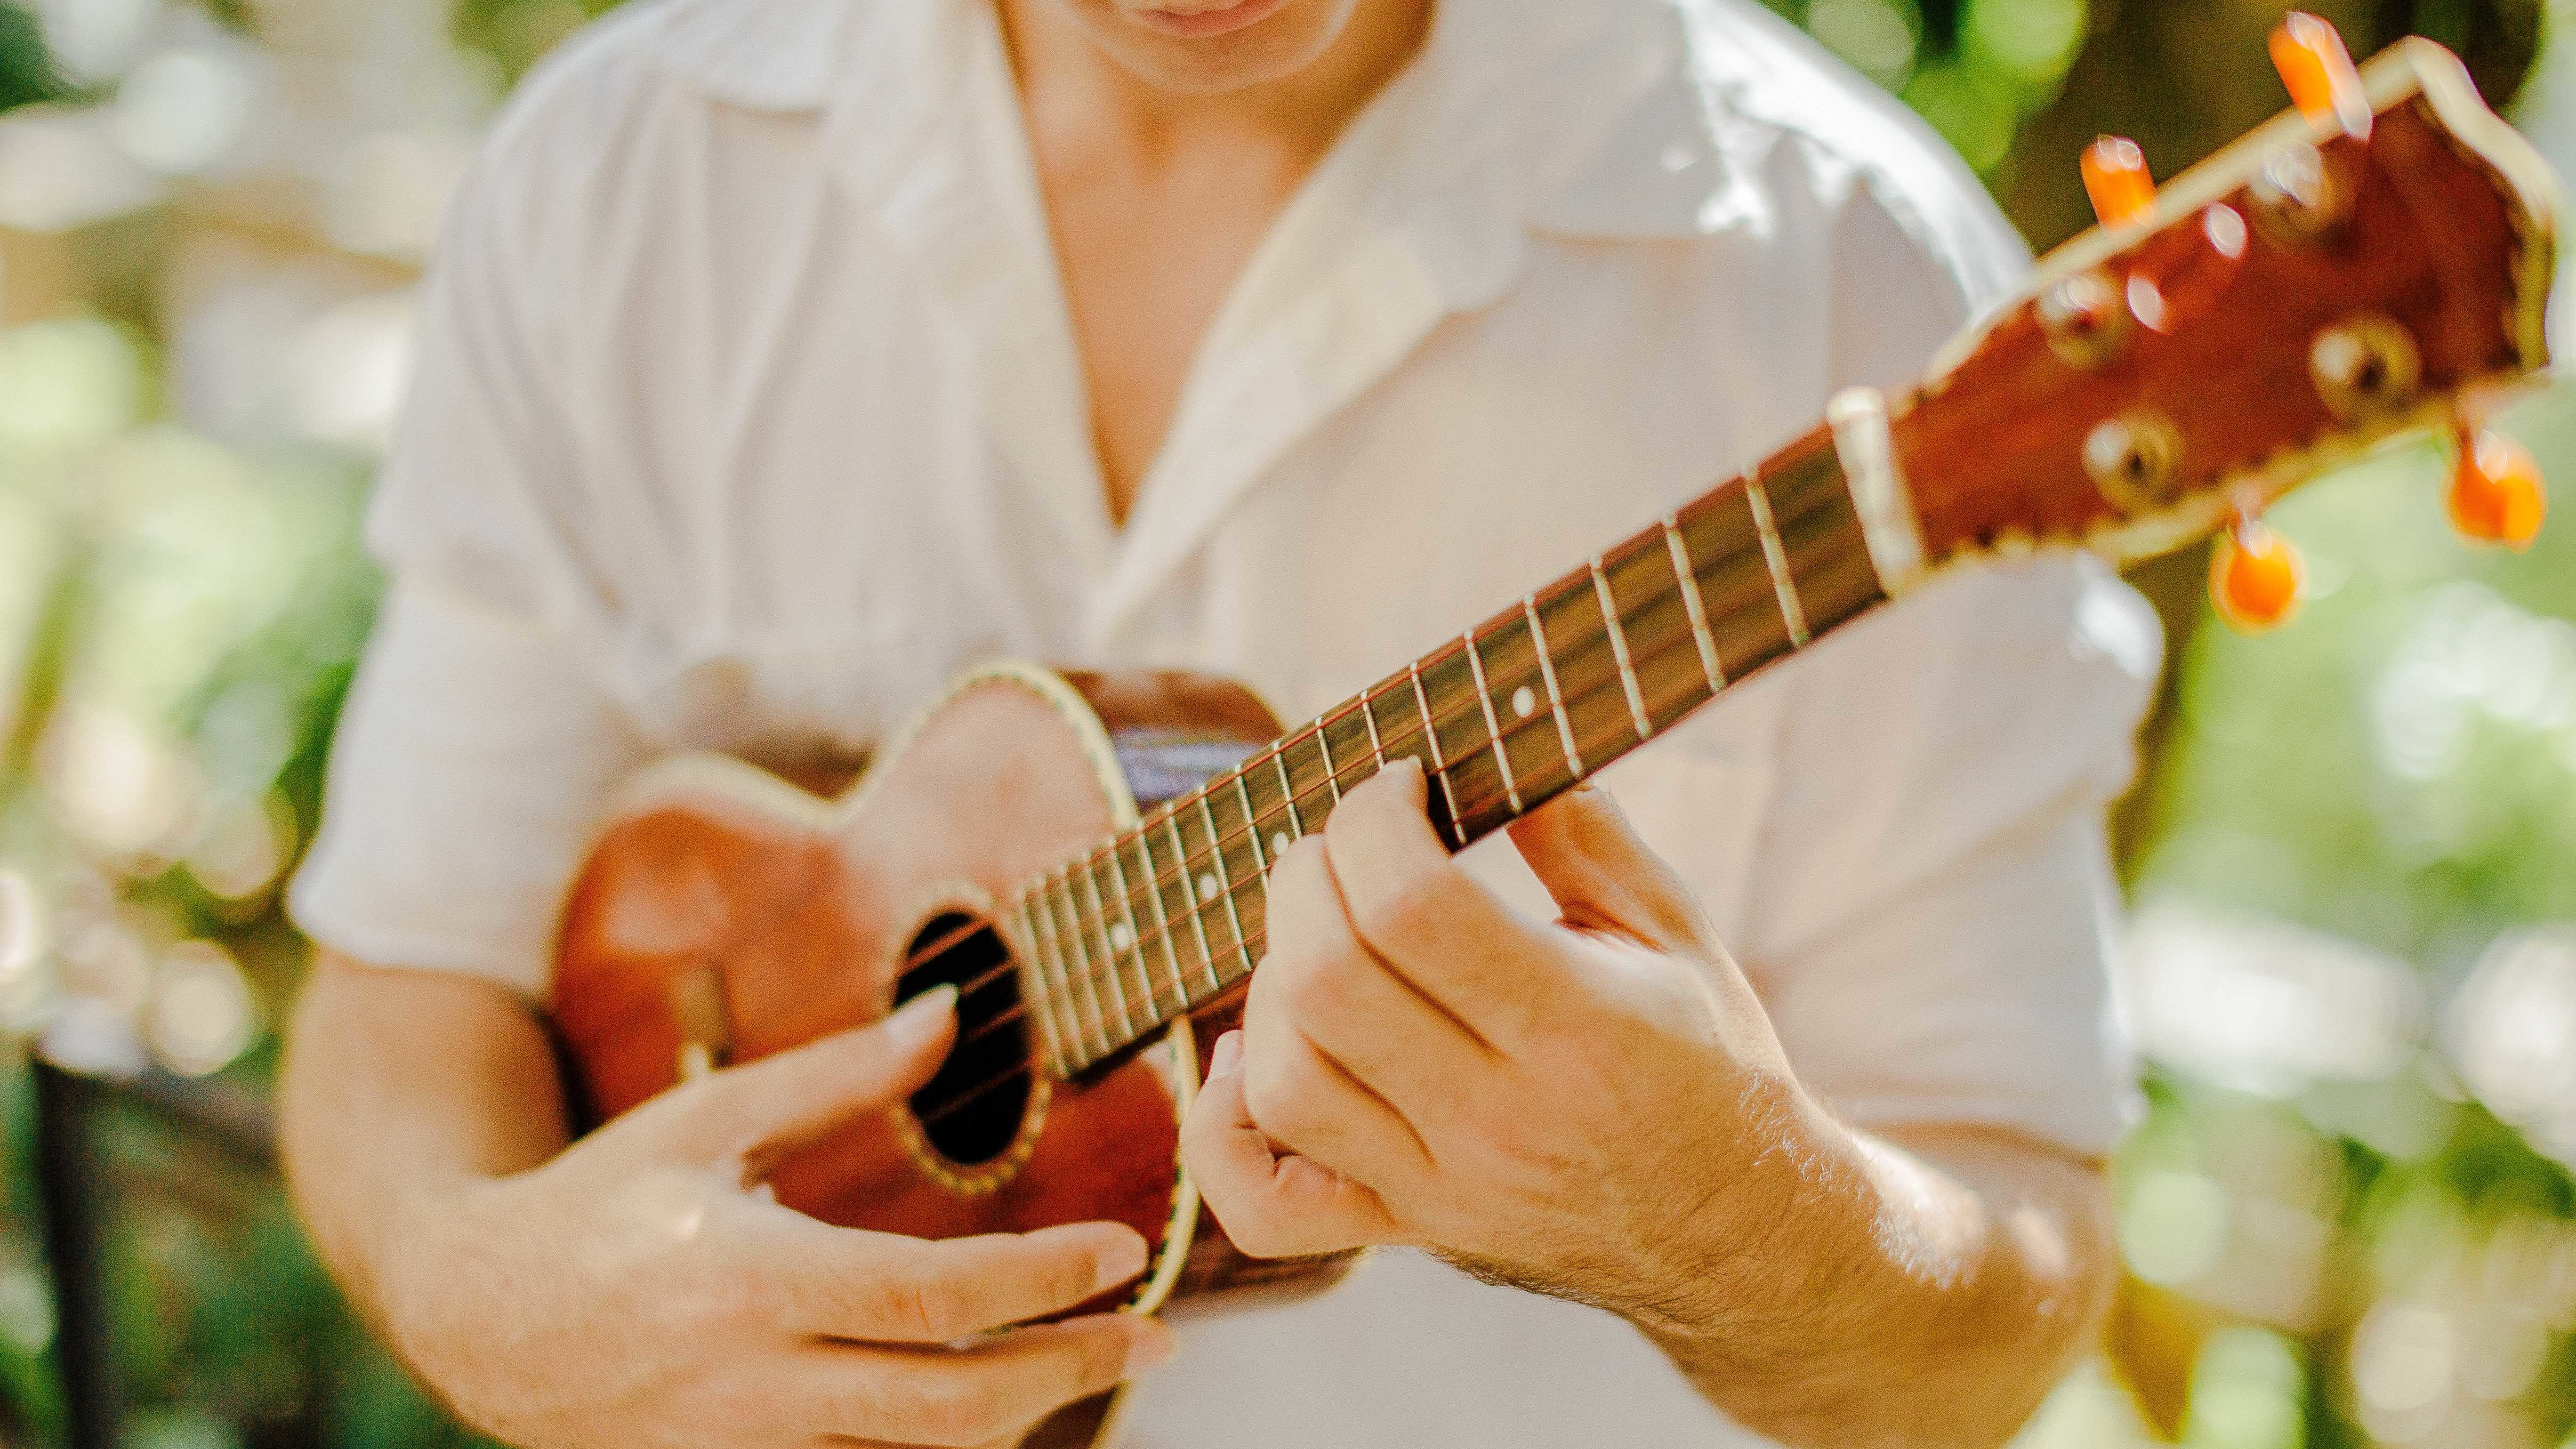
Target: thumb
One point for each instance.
(763, 1109)
(1603, 876)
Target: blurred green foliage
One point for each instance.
(26, 72)
(2318, 1257)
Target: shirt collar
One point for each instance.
(1582, 119)
(1512, 120)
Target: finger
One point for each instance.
(766, 1108)
(1604, 876)
(1307, 1103)
(1271, 1205)
(974, 1395)
(1449, 937)
(1355, 1007)
(884, 1288)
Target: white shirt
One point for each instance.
(746, 413)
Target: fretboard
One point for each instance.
(1170, 915)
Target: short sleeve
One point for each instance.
(481, 736)
(471, 763)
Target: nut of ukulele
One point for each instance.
(2495, 494)
(2254, 576)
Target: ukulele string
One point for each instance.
(1091, 980)
(1091, 977)
(1094, 976)
(1388, 748)
(1103, 978)
(959, 1101)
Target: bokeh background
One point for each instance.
(2349, 1217)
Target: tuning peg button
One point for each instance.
(2254, 576)
(2320, 75)
(2496, 493)
(2115, 177)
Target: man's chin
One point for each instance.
(1214, 50)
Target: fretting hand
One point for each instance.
(1594, 1108)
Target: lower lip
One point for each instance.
(1208, 22)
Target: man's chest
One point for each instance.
(867, 473)
(1147, 255)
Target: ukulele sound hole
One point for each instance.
(971, 1111)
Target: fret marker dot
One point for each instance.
(1120, 938)
(1207, 888)
(1524, 702)
(1278, 844)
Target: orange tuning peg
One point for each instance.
(2254, 576)
(2496, 495)
(2115, 176)
(2320, 75)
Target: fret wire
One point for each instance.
(1190, 893)
(1090, 971)
(1162, 919)
(1006, 1018)
(1493, 731)
(1430, 730)
(1255, 818)
(1253, 833)
(1324, 747)
(1154, 882)
(1251, 826)
(1368, 716)
(1288, 793)
(1792, 613)
(1431, 741)
(1070, 1041)
(1116, 984)
(1547, 671)
(1619, 651)
(1100, 923)
(1224, 877)
(1687, 576)
(1135, 928)
(1036, 957)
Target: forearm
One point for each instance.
(401, 1088)
(1925, 1291)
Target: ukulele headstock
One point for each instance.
(2374, 261)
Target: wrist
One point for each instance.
(419, 1272)
(1771, 1247)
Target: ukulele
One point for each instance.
(1083, 855)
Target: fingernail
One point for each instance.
(1152, 1349)
(924, 1015)
(1118, 1263)
(1227, 1057)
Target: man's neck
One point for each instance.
(1067, 84)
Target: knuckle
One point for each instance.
(1101, 1362)
(1064, 1279)
(1405, 905)
(912, 1306)
(1270, 1096)
(1312, 985)
(1284, 1101)
(1257, 1233)
(1301, 870)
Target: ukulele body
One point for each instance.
(724, 914)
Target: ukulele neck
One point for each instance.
(1169, 915)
